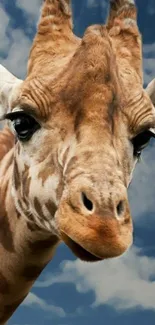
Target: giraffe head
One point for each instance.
(81, 119)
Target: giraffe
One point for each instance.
(75, 128)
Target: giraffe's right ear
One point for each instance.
(9, 88)
(150, 89)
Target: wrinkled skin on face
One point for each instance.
(71, 176)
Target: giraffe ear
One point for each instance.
(9, 88)
(150, 89)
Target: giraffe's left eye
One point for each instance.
(24, 125)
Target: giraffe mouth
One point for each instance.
(79, 251)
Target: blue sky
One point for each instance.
(120, 291)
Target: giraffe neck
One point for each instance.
(24, 249)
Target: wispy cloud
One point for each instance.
(34, 301)
(151, 7)
(148, 62)
(142, 190)
(30, 8)
(4, 23)
(119, 282)
(16, 60)
(14, 46)
(94, 3)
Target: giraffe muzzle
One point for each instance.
(97, 234)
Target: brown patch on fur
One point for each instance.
(18, 148)
(4, 285)
(7, 141)
(38, 208)
(33, 227)
(16, 176)
(59, 189)
(29, 215)
(18, 214)
(78, 120)
(26, 181)
(6, 235)
(32, 271)
(40, 245)
(45, 173)
(51, 207)
(113, 105)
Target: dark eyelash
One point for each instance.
(13, 115)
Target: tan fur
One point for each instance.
(87, 95)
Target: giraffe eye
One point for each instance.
(141, 141)
(24, 125)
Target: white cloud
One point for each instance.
(123, 282)
(14, 46)
(30, 8)
(142, 190)
(149, 49)
(148, 62)
(151, 7)
(4, 23)
(94, 3)
(34, 301)
(16, 60)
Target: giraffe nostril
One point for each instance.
(87, 203)
(120, 208)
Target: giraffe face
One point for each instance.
(81, 119)
(76, 150)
